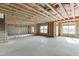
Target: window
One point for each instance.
(2, 17)
(32, 29)
(71, 29)
(43, 29)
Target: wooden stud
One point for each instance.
(63, 9)
(55, 11)
(72, 10)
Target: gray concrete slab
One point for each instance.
(40, 46)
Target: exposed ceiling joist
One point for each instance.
(53, 15)
(28, 11)
(63, 9)
(10, 12)
(25, 9)
(72, 10)
(4, 11)
(21, 9)
(36, 11)
(46, 12)
(13, 9)
(55, 11)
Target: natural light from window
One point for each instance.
(43, 29)
(69, 29)
(32, 29)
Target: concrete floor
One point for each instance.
(40, 46)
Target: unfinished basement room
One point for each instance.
(39, 29)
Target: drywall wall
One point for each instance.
(17, 30)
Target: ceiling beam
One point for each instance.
(28, 11)
(4, 11)
(12, 9)
(21, 9)
(63, 9)
(36, 11)
(15, 14)
(46, 12)
(72, 10)
(55, 16)
(18, 10)
(25, 9)
(55, 11)
(10, 12)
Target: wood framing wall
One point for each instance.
(2, 32)
(18, 29)
(60, 24)
(50, 31)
